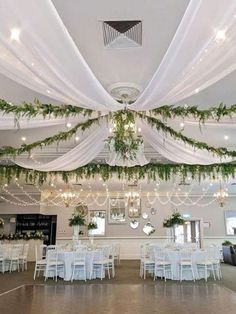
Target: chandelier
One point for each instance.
(221, 196)
(69, 198)
(133, 204)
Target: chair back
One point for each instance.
(159, 254)
(26, 250)
(186, 256)
(79, 257)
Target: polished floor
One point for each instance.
(124, 294)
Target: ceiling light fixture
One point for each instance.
(15, 34)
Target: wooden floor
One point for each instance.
(126, 293)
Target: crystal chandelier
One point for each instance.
(133, 204)
(221, 196)
(68, 198)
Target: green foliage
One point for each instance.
(151, 172)
(76, 220)
(124, 140)
(174, 219)
(216, 113)
(160, 126)
(61, 136)
(92, 225)
(31, 110)
(227, 243)
(26, 236)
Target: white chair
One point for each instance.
(43, 251)
(80, 247)
(162, 266)
(40, 263)
(15, 254)
(186, 263)
(24, 256)
(53, 265)
(206, 266)
(100, 264)
(147, 261)
(214, 255)
(78, 264)
(2, 258)
(116, 252)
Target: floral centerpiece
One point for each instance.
(174, 219)
(76, 221)
(92, 225)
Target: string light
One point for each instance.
(15, 34)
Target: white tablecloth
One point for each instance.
(67, 258)
(174, 258)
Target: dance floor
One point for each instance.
(112, 298)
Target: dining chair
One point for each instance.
(78, 264)
(186, 263)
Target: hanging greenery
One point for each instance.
(160, 126)
(216, 113)
(61, 136)
(151, 172)
(31, 110)
(124, 140)
(174, 219)
(65, 111)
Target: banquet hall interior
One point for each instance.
(117, 156)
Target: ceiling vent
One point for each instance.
(122, 34)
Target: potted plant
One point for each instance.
(76, 221)
(227, 243)
(173, 220)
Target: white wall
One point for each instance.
(131, 239)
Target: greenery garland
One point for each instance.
(61, 136)
(151, 172)
(124, 140)
(216, 113)
(160, 126)
(167, 112)
(31, 110)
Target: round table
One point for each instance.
(174, 256)
(67, 258)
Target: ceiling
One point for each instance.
(160, 19)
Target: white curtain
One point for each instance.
(116, 160)
(198, 55)
(77, 157)
(37, 51)
(177, 151)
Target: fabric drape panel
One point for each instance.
(77, 157)
(8, 122)
(176, 150)
(45, 58)
(197, 57)
(116, 160)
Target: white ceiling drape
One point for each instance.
(77, 157)
(177, 151)
(198, 55)
(37, 51)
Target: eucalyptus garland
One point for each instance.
(161, 126)
(31, 110)
(151, 172)
(61, 136)
(216, 113)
